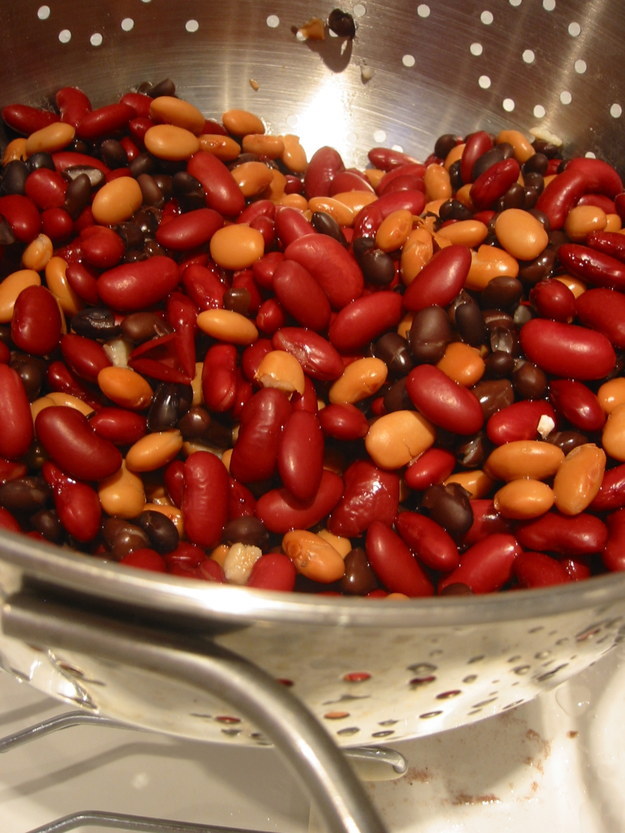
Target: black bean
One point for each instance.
(449, 506)
(396, 398)
(359, 578)
(142, 326)
(567, 440)
(164, 87)
(112, 153)
(499, 152)
(472, 452)
(498, 364)
(96, 323)
(429, 334)
(377, 266)
(47, 523)
(32, 372)
(152, 194)
(394, 351)
(530, 382)
(143, 163)
(78, 194)
(467, 318)
(247, 529)
(537, 163)
(14, 177)
(42, 159)
(238, 299)
(444, 145)
(95, 175)
(24, 494)
(324, 223)
(7, 238)
(454, 210)
(502, 293)
(493, 395)
(121, 536)
(160, 529)
(195, 423)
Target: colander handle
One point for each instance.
(336, 792)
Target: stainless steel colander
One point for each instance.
(369, 672)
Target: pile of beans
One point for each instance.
(223, 360)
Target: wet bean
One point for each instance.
(393, 563)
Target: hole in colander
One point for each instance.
(336, 715)
(356, 677)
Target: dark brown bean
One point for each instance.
(121, 537)
(96, 323)
(112, 153)
(195, 423)
(169, 403)
(160, 529)
(467, 318)
(246, 530)
(444, 144)
(493, 395)
(502, 293)
(31, 370)
(238, 299)
(394, 351)
(377, 266)
(324, 223)
(142, 326)
(429, 334)
(342, 23)
(530, 382)
(78, 194)
(567, 440)
(449, 506)
(359, 578)
(24, 494)
(14, 177)
(498, 365)
(46, 522)
(472, 453)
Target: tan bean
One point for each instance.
(396, 438)
(59, 286)
(463, 195)
(582, 219)
(360, 379)
(125, 387)
(433, 207)
(312, 556)
(487, 263)
(573, 283)
(374, 176)
(241, 122)
(37, 253)
(523, 499)
(281, 370)
(476, 482)
(342, 545)
(252, 178)
(355, 200)
(117, 200)
(520, 233)
(168, 141)
(416, 252)
(521, 145)
(613, 222)
(223, 147)
(465, 233)
(403, 328)
(227, 325)
(153, 451)
(122, 494)
(58, 397)
(613, 435)
(196, 385)
(454, 155)
(275, 189)
(394, 230)
(239, 562)
(176, 111)
(578, 479)
(10, 288)
(462, 363)
(50, 138)
(237, 246)
(524, 458)
(343, 215)
(611, 394)
(219, 553)
(294, 155)
(263, 144)
(437, 182)
(298, 201)
(14, 151)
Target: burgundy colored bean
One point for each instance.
(83, 282)
(101, 247)
(72, 103)
(273, 571)
(487, 565)
(494, 183)
(291, 224)
(85, 357)
(364, 319)
(388, 158)
(76, 503)
(36, 323)
(486, 521)
(61, 379)
(189, 230)
(182, 316)
(429, 469)
(204, 285)
(270, 317)
(134, 286)
(603, 309)
(323, 166)
(345, 181)
(281, 511)
(144, 558)
(257, 209)
(139, 102)
(300, 295)
(17, 424)
(414, 171)
(25, 119)
(431, 544)
(253, 355)
(220, 188)
(70, 441)
(319, 359)
(577, 403)
(22, 215)
(567, 350)
(9, 521)
(443, 401)
(520, 421)
(592, 266)
(118, 425)
(262, 420)
(600, 201)
(68, 160)
(369, 494)
(300, 454)
(325, 258)
(581, 176)
(205, 498)
(104, 121)
(368, 219)
(536, 569)
(393, 562)
(440, 280)
(565, 535)
(475, 145)
(343, 422)
(56, 224)
(611, 494)
(609, 242)
(553, 299)
(220, 377)
(613, 554)
(45, 188)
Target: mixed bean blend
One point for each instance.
(223, 360)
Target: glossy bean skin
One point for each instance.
(343, 422)
(17, 425)
(592, 266)
(613, 553)
(220, 377)
(324, 165)
(301, 295)
(300, 454)
(76, 503)
(440, 280)
(22, 215)
(443, 401)
(85, 357)
(429, 469)
(255, 455)
(36, 323)
(280, 510)
(524, 458)
(324, 257)
(567, 350)
(563, 535)
(536, 569)
(273, 571)
(312, 556)
(580, 177)
(317, 356)
(577, 403)
(369, 494)
(487, 565)
(520, 421)
(205, 498)
(119, 426)
(494, 182)
(579, 478)
(611, 493)
(186, 231)
(603, 309)
(222, 192)
(393, 563)
(363, 319)
(394, 439)
(134, 286)
(429, 542)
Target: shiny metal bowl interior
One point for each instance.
(434, 67)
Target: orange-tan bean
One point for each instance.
(611, 394)
(396, 438)
(312, 556)
(252, 178)
(125, 387)
(11, 287)
(520, 233)
(416, 252)
(227, 325)
(168, 141)
(578, 478)
(437, 182)
(355, 200)
(524, 458)
(521, 145)
(294, 155)
(122, 494)
(178, 112)
(117, 200)
(476, 482)
(281, 370)
(37, 253)
(582, 219)
(613, 435)
(464, 232)
(14, 151)
(59, 286)
(49, 139)
(241, 122)
(263, 144)
(237, 246)
(462, 363)
(523, 499)
(394, 230)
(342, 545)
(343, 215)
(153, 451)
(487, 263)
(360, 379)
(223, 147)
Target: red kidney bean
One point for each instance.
(600, 201)
(83, 282)
(440, 280)
(70, 441)
(519, 421)
(553, 299)
(36, 323)
(319, 359)
(429, 469)
(76, 503)
(257, 209)
(563, 534)
(603, 310)
(388, 158)
(431, 544)
(72, 103)
(9, 521)
(22, 215)
(270, 317)
(323, 166)
(349, 180)
(85, 357)
(182, 316)
(592, 266)
(263, 269)
(487, 565)
(581, 176)
(393, 562)
(369, 494)
(220, 188)
(364, 319)
(205, 498)
(611, 494)
(57, 224)
(273, 571)
(567, 349)
(101, 246)
(45, 188)
(368, 219)
(67, 160)
(613, 554)
(536, 569)
(220, 375)
(11, 469)
(139, 102)
(25, 119)
(253, 355)
(443, 401)
(291, 224)
(494, 183)
(325, 258)
(486, 521)
(475, 145)
(281, 511)
(60, 378)
(144, 558)
(134, 286)
(412, 170)
(17, 424)
(263, 417)
(343, 422)
(300, 295)
(204, 285)
(300, 454)
(104, 121)
(241, 501)
(577, 403)
(118, 425)
(189, 230)
(609, 242)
